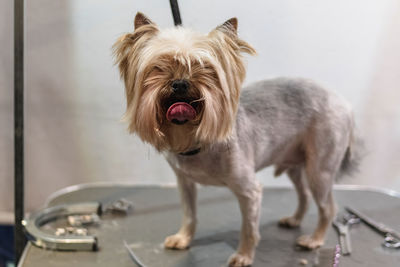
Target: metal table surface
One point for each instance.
(157, 214)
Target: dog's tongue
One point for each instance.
(181, 111)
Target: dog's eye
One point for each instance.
(157, 69)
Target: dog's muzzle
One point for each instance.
(180, 109)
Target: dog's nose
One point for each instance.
(180, 86)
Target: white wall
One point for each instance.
(6, 110)
(74, 98)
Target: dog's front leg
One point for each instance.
(182, 239)
(249, 194)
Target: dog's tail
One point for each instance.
(353, 156)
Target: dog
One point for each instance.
(184, 97)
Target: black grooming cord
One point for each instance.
(175, 12)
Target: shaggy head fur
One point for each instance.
(212, 66)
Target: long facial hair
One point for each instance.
(150, 59)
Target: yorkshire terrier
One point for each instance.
(183, 92)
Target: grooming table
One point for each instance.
(157, 213)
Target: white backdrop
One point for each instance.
(74, 98)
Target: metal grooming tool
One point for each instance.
(392, 237)
(71, 231)
(70, 239)
(122, 206)
(83, 220)
(344, 239)
(343, 226)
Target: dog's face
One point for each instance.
(182, 87)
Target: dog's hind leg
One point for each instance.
(320, 180)
(297, 176)
(326, 212)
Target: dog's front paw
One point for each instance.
(177, 241)
(240, 260)
(289, 222)
(309, 242)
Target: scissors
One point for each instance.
(392, 237)
(343, 227)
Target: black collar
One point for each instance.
(190, 152)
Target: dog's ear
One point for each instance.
(229, 30)
(230, 26)
(128, 47)
(140, 20)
